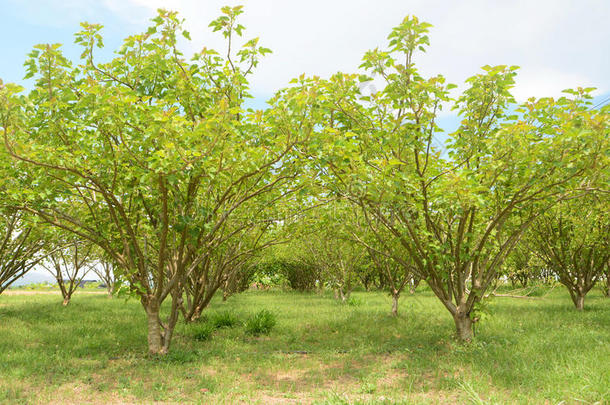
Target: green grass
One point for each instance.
(321, 351)
(224, 319)
(261, 323)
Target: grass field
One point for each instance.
(94, 350)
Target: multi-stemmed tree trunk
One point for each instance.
(147, 156)
(106, 272)
(573, 240)
(398, 276)
(69, 264)
(327, 242)
(210, 276)
(340, 281)
(226, 266)
(343, 285)
(519, 265)
(21, 248)
(454, 214)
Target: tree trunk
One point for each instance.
(579, 300)
(193, 315)
(463, 325)
(395, 297)
(168, 331)
(66, 301)
(198, 300)
(607, 286)
(344, 294)
(155, 336)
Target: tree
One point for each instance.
(521, 265)
(147, 156)
(326, 242)
(455, 213)
(395, 274)
(287, 265)
(20, 248)
(226, 267)
(106, 271)
(69, 261)
(573, 240)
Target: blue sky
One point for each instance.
(557, 43)
(27, 23)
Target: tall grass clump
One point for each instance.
(261, 323)
(203, 331)
(224, 319)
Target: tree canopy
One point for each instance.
(154, 159)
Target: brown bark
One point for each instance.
(18, 252)
(155, 336)
(579, 300)
(578, 293)
(198, 301)
(160, 333)
(344, 294)
(463, 325)
(193, 316)
(395, 298)
(66, 291)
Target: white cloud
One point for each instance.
(547, 82)
(558, 43)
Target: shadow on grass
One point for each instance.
(526, 346)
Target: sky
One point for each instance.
(558, 44)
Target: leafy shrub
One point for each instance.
(300, 276)
(261, 323)
(203, 331)
(224, 319)
(240, 281)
